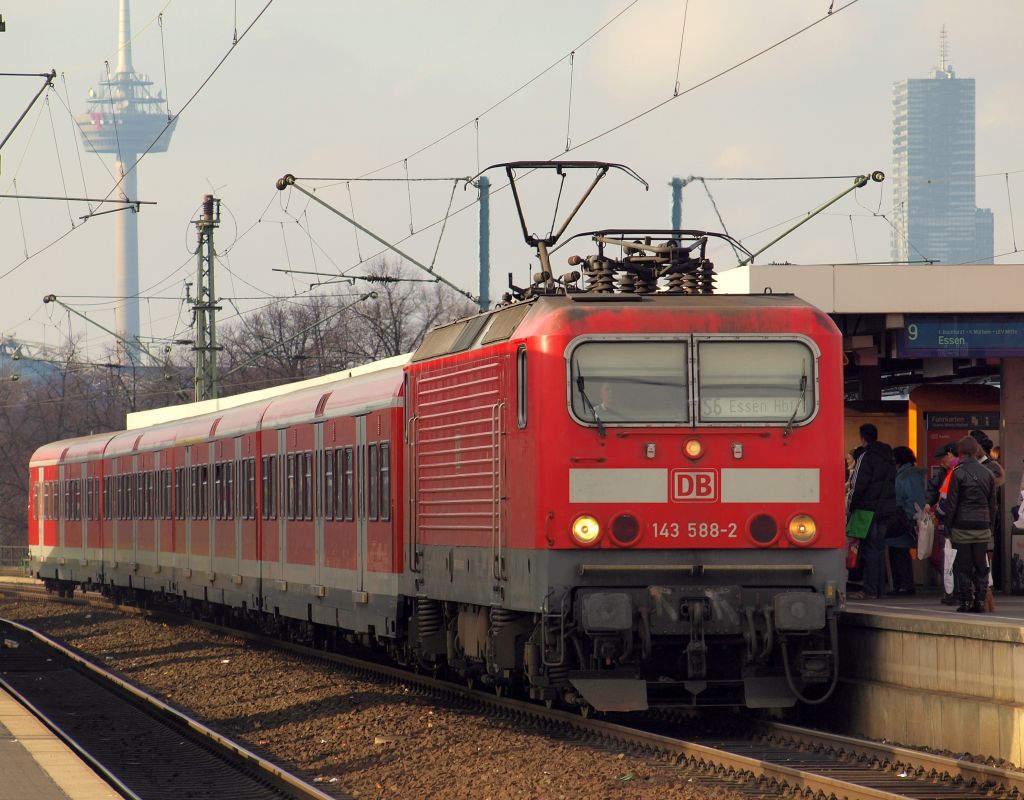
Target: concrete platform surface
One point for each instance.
(1005, 624)
(36, 764)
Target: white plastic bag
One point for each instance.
(925, 524)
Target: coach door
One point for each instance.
(282, 501)
(318, 503)
(361, 479)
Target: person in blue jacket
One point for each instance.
(902, 536)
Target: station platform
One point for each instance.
(916, 672)
(36, 764)
(1009, 608)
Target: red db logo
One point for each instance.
(694, 484)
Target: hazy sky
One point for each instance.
(339, 89)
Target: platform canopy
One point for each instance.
(887, 288)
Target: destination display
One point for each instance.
(713, 409)
(962, 336)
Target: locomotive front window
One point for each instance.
(630, 382)
(755, 381)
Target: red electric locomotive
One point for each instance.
(613, 497)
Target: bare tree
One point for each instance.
(404, 310)
(388, 314)
(287, 341)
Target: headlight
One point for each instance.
(693, 449)
(585, 530)
(802, 529)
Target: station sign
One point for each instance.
(961, 336)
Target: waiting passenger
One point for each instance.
(970, 511)
(874, 489)
(988, 460)
(947, 457)
(902, 534)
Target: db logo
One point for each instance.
(694, 484)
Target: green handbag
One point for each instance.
(859, 523)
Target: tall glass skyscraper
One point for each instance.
(935, 216)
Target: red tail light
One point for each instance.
(625, 529)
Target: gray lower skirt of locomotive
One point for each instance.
(793, 592)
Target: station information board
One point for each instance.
(942, 428)
(962, 336)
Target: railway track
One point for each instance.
(754, 758)
(139, 745)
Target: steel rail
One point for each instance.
(251, 759)
(918, 759)
(795, 778)
(95, 765)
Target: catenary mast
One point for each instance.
(124, 119)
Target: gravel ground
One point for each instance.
(353, 738)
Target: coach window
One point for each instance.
(385, 481)
(339, 483)
(629, 382)
(350, 484)
(307, 485)
(329, 492)
(179, 493)
(755, 381)
(290, 488)
(229, 490)
(267, 484)
(371, 469)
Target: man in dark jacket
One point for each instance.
(970, 512)
(946, 455)
(873, 488)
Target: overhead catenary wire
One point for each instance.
(635, 117)
(568, 115)
(60, 166)
(692, 88)
(352, 208)
(682, 36)
(476, 118)
(66, 101)
(48, 82)
(1009, 203)
(159, 135)
(289, 180)
(163, 56)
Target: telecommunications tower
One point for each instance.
(125, 119)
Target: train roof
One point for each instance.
(543, 313)
(68, 449)
(359, 390)
(157, 416)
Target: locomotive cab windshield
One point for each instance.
(643, 381)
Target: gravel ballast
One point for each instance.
(351, 737)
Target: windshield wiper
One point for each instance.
(798, 406)
(590, 405)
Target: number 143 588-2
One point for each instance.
(694, 530)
